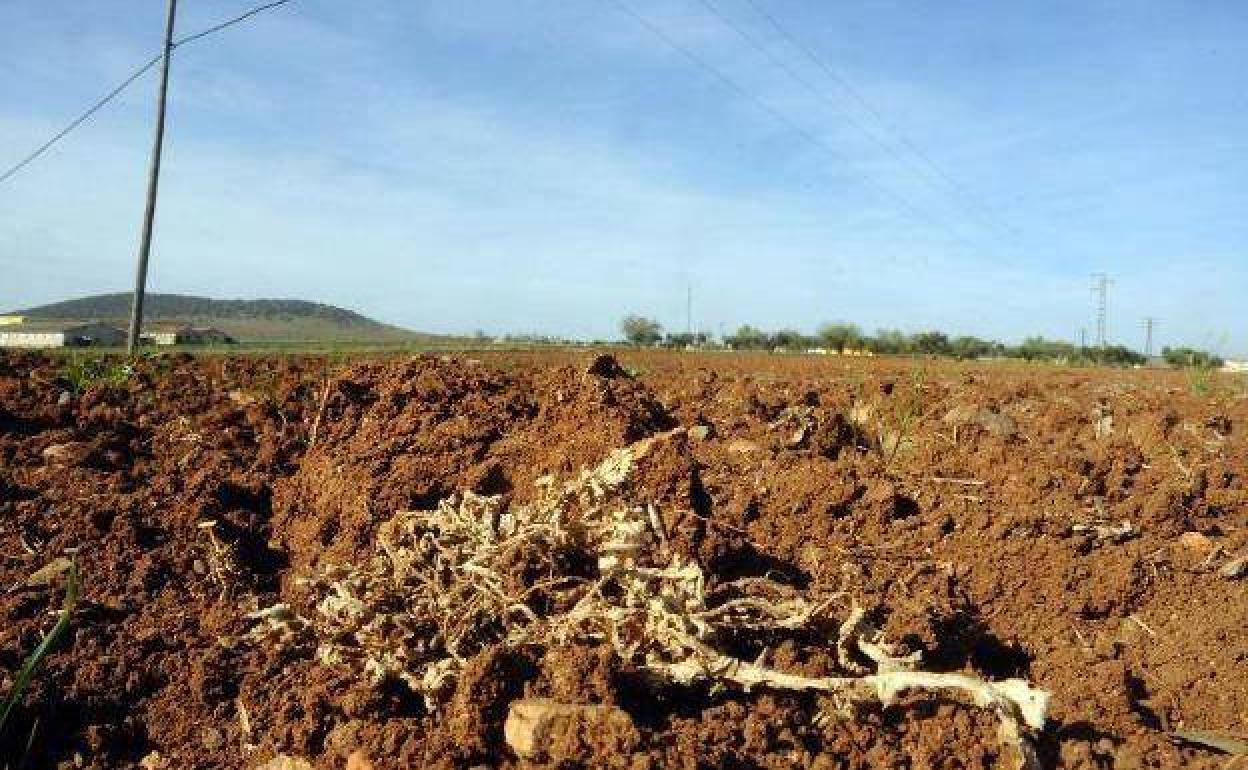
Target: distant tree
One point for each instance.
(1116, 355)
(678, 340)
(968, 347)
(748, 338)
(932, 343)
(1041, 349)
(1184, 357)
(888, 341)
(839, 336)
(641, 331)
(790, 340)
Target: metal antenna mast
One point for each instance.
(1150, 324)
(153, 181)
(1100, 288)
(689, 310)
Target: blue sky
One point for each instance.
(533, 166)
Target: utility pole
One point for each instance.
(1083, 337)
(1149, 324)
(689, 310)
(1100, 288)
(153, 181)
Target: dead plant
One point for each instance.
(587, 562)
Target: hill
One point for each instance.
(248, 320)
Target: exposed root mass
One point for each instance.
(585, 562)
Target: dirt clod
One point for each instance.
(607, 367)
(535, 725)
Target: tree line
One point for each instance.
(1188, 357)
(841, 337)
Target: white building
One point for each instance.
(175, 333)
(59, 334)
(165, 333)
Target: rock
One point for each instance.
(285, 762)
(1103, 426)
(533, 722)
(154, 761)
(701, 432)
(211, 738)
(64, 398)
(743, 446)
(607, 367)
(358, 760)
(68, 453)
(1195, 551)
(962, 414)
(241, 398)
(997, 424)
(1235, 568)
(860, 414)
(1196, 542)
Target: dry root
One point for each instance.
(585, 562)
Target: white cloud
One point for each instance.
(312, 157)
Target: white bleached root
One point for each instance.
(1020, 708)
(586, 562)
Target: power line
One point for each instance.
(824, 96)
(775, 113)
(24, 162)
(113, 94)
(846, 85)
(237, 19)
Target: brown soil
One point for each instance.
(949, 499)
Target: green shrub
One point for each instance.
(83, 374)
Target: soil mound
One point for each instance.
(398, 436)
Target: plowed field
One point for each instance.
(1075, 529)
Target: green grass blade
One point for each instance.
(27, 671)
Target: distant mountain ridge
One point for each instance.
(256, 319)
(164, 307)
